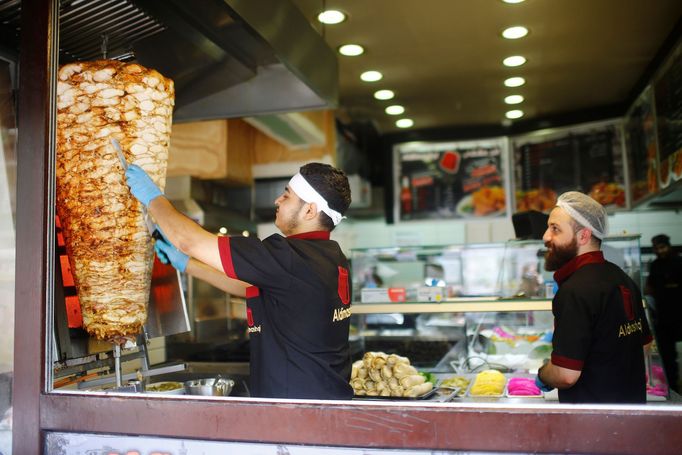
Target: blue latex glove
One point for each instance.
(141, 185)
(168, 253)
(541, 385)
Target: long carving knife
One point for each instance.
(151, 226)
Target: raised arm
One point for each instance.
(216, 278)
(181, 231)
(167, 253)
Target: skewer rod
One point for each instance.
(117, 365)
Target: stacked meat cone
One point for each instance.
(110, 249)
(381, 374)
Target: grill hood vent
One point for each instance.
(228, 58)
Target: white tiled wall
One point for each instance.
(648, 224)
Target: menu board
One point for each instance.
(450, 180)
(640, 147)
(587, 159)
(668, 99)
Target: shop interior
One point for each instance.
(450, 192)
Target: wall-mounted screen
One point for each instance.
(450, 180)
(641, 150)
(668, 99)
(586, 158)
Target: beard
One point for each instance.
(557, 256)
(287, 220)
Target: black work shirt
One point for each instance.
(665, 279)
(600, 329)
(298, 312)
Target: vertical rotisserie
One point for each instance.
(109, 247)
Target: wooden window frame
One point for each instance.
(547, 428)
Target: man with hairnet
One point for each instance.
(600, 327)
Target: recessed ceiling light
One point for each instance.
(516, 113)
(351, 50)
(513, 1)
(513, 99)
(514, 82)
(404, 123)
(514, 60)
(331, 17)
(396, 109)
(515, 32)
(371, 76)
(384, 94)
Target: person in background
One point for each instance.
(600, 327)
(297, 287)
(664, 284)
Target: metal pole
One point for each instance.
(117, 365)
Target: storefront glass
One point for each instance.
(8, 165)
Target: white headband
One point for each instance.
(582, 220)
(305, 191)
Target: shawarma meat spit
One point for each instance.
(109, 247)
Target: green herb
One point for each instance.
(429, 377)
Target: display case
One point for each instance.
(450, 275)
(461, 309)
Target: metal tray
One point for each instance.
(506, 389)
(425, 396)
(497, 395)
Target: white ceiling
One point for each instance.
(443, 57)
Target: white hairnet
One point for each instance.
(586, 212)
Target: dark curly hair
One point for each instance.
(332, 184)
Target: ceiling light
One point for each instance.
(396, 109)
(351, 50)
(516, 113)
(514, 82)
(515, 32)
(384, 94)
(514, 60)
(513, 1)
(222, 230)
(371, 76)
(513, 99)
(331, 17)
(404, 123)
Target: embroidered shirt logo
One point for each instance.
(340, 314)
(343, 287)
(630, 328)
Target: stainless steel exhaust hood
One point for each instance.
(228, 58)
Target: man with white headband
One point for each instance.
(600, 327)
(297, 286)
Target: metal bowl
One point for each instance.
(219, 387)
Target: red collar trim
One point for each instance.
(593, 257)
(314, 235)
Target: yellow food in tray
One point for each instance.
(458, 382)
(488, 383)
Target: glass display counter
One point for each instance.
(461, 309)
(467, 273)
